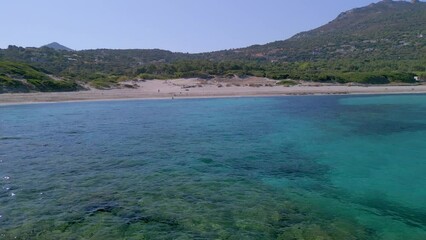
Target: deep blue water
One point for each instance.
(305, 167)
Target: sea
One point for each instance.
(296, 167)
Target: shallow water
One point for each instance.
(306, 167)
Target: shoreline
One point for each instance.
(192, 89)
(202, 97)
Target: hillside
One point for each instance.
(387, 30)
(379, 43)
(81, 63)
(19, 77)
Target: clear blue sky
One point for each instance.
(177, 25)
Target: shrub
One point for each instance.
(287, 83)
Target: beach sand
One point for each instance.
(199, 88)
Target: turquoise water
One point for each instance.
(306, 167)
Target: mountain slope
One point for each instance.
(388, 30)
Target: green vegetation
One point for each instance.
(366, 72)
(19, 77)
(287, 83)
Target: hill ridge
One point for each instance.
(57, 46)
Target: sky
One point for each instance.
(177, 25)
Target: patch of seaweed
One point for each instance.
(292, 164)
(295, 223)
(107, 207)
(153, 219)
(386, 127)
(381, 206)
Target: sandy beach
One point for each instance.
(199, 88)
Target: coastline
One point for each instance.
(195, 88)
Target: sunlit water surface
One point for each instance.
(307, 167)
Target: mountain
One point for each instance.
(57, 46)
(387, 30)
(379, 43)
